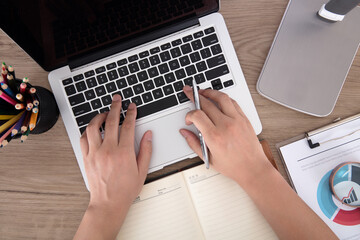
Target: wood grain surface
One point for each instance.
(42, 193)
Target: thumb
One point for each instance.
(193, 141)
(144, 156)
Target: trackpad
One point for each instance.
(168, 144)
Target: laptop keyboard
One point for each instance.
(152, 79)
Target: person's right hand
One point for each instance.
(234, 149)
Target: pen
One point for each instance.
(202, 141)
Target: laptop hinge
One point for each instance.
(89, 58)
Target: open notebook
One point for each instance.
(194, 204)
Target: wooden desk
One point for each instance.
(42, 193)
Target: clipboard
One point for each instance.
(314, 144)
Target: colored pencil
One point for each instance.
(32, 90)
(36, 102)
(6, 89)
(4, 75)
(11, 82)
(29, 105)
(6, 140)
(25, 124)
(25, 80)
(10, 122)
(23, 88)
(33, 118)
(19, 97)
(7, 98)
(25, 135)
(18, 124)
(19, 106)
(7, 133)
(11, 71)
(6, 117)
(1, 79)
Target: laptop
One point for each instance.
(144, 50)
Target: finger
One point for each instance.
(222, 100)
(201, 122)
(84, 145)
(238, 108)
(214, 113)
(127, 132)
(144, 156)
(193, 141)
(112, 121)
(93, 131)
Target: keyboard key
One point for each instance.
(217, 72)
(157, 106)
(149, 85)
(165, 46)
(67, 81)
(185, 48)
(111, 66)
(159, 81)
(91, 82)
(198, 34)
(100, 70)
(201, 66)
(70, 90)
(199, 78)
(215, 61)
(128, 92)
(190, 70)
(196, 45)
(82, 130)
(209, 40)
(195, 57)
(78, 77)
(165, 56)
(121, 83)
(170, 77)
(176, 42)
(180, 74)
(100, 91)
(205, 53)
(154, 50)
(96, 104)
(182, 97)
(132, 79)
(137, 100)
(175, 52)
(144, 54)
(89, 73)
(122, 62)
(106, 100)
(187, 38)
(153, 72)
(184, 61)
(157, 93)
(81, 109)
(112, 75)
(76, 99)
(89, 94)
(125, 104)
(111, 87)
(228, 83)
(188, 81)
(178, 86)
(163, 68)
(104, 110)
(101, 78)
(209, 30)
(216, 49)
(142, 76)
(133, 58)
(123, 71)
(154, 60)
(147, 97)
(216, 84)
(80, 86)
(174, 64)
(86, 118)
(168, 89)
(138, 88)
(144, 63)
(133, 67)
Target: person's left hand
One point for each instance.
(114, 172)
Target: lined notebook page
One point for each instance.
(162, 211)
(225, 211)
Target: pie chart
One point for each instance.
(339, 215)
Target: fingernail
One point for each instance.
(132, 106)
(184, 133)
(116, 98)
(148, 136)
(187, 88)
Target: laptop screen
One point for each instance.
(54, 32)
